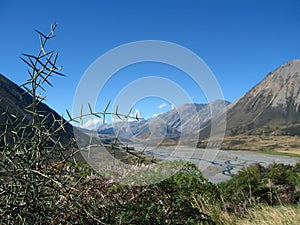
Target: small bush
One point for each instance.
(172, 201)
(272, 185)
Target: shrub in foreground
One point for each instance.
(172, 201)
(273, 185)
(40, 184)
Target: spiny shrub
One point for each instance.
(41, 184)
(38, 175)
(30, 188)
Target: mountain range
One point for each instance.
(268, 114)
(183, 122)
(267, 117)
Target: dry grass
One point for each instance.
(260, 215)
(263, 215)
(287, 144)
(280, 215)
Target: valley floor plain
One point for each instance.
(216, 165)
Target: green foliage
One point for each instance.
(275, 184)
(172, 201)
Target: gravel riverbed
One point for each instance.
(216, 165)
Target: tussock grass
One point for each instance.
(262, 214)
(266, 215)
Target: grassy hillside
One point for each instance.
(263, 143)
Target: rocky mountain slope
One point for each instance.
(271, 108)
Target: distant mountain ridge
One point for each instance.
(185, 120)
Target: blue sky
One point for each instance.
(240, 41)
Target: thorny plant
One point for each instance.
(33, 190)
(41, 182)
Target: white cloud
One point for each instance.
(162, 105)
(173, 106)
(155, 114)
(91, 123)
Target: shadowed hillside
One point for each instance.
(14, 100)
